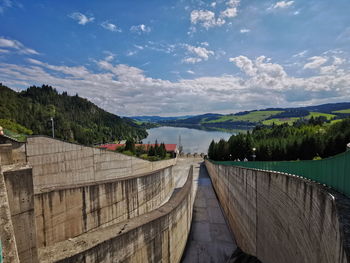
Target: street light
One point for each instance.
(254, 149)
(53, 127)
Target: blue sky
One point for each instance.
(180, 57)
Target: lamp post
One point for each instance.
(53, 127)
(254, 149)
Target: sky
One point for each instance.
(173, 58)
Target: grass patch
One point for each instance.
(280, 121)
(318, 114)
(346, 111)
(290, 121)
(255, 116)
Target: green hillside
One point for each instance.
(76, 119)
(328, 113)
(254, 116)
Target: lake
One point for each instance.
(192, 140)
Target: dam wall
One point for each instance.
(79, 189)
(282, 218)
(68, 212)
(157, 236)
(60, 164)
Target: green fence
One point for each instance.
(333, 171)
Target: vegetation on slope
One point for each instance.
(76, 119)
(303, 141)
(268, 117)
(152, 153)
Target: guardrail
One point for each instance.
(333, 172)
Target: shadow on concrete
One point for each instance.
(240, 257)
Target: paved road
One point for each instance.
(210, 239)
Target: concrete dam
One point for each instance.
(63, 202)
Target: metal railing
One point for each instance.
(333, 171)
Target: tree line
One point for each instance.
(304, 140)
(154, 152)
(76, 119)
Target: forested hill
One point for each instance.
(76, 119)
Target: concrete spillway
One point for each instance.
(210, 239)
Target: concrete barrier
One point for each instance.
(69, 212)
(281, 218)
(58, 164)
(157, 236)
(19, 188)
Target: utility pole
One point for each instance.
(180, 145)
(254, 156)
(53, 127)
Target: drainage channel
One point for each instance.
(210, 239)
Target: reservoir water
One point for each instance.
(192, 140)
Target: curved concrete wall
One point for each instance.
(278, 217)
(64, 213)
(60, 164)
(158, 236)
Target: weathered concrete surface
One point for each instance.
(279, 217)
(19, 185)
(158, 236)
(12, 153)
(7, 233)
(59, 164)
(69, 212)
(210, 238)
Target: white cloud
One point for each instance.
(192, 60)
(140, 29)
(4, 51)
(315, 62)
(110, 56)
(118, 87)
(334, 67)
(209, 19)
(206, 19)
(200, 51)
(190, 72)
(283, 4)
(301, 54)
(244, 30)
(139, 47)
(233, 3)
(110, 27)
(131, 53)
(81, 18)
(244, 64)
(229, 12)
(16, 45)
(198, 54)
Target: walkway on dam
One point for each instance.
(210, 239)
